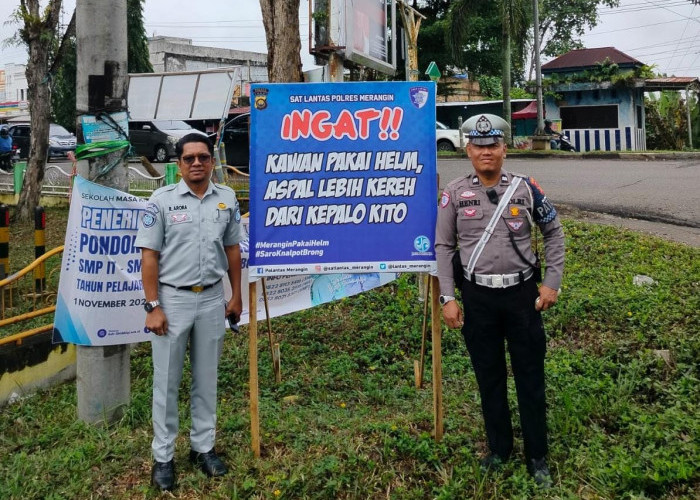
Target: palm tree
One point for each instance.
(514, 23)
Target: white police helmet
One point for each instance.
(485, 129)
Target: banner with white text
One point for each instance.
(100, 293)
(343, 178)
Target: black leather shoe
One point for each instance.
(537, 467)
(492, 462)
(163, 475)
(209, 462)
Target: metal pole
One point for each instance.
(103, 376)
(538, 68)
(39, 249)
(4, 241)
(687, 110)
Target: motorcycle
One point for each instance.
(564, 144)
(8, 160)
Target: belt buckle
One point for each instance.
(197, 288)
(497, 281)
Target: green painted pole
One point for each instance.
(20, 168)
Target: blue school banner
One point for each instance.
(342, 178)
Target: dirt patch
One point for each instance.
(681, 234)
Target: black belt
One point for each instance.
(193, 288)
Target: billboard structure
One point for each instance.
(342, 178)
(359, 30)
(194, 95)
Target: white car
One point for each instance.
(447, 138)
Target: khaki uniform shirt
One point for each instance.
(190, 233)
(464, 212)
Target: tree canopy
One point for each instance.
(63, 95)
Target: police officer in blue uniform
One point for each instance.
(189, 238)
(488, 217)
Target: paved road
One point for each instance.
(656, 196)
(660, 191)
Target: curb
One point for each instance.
(598, 155)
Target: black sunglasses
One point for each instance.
(189, 159)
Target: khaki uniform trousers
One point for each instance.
(196, 319)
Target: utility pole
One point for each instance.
(103, 372)
(538, 68)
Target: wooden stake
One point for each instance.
(437, 358)
(253, 367)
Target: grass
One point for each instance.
(623, 422)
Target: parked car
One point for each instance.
(156, 139)
(236, 140)
(61, 141)
(447, 138)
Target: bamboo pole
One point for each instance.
(419, 366)
(274, 346)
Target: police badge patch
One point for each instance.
(515, 225)
(445, 199)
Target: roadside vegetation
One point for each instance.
(347, 422)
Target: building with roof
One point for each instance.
(597, 98)
(174, 55)
(13, 92)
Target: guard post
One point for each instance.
(39, 249)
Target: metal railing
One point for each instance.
(27, 295)
(57, 182)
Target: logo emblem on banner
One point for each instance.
(421, 243)
(419, 96)
(261, 98)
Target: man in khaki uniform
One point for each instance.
(189, 236)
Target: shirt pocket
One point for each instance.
(179, 228)
(468, 214)
(219, 222)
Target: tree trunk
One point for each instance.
(281, 22)
(39, 97)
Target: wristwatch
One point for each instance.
(444, 299)
(149, 306)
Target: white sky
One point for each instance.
(661, 32)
